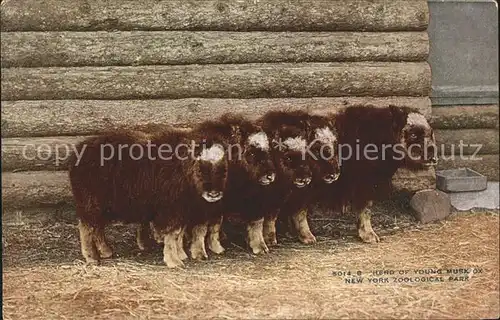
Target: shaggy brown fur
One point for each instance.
(251, 175)
(131, 188)
(288, 131)
(251, 170)
(323, 160)
(144, 236)
(362, 179)
(146, 239)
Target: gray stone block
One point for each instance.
(431, 205)
(460, 180)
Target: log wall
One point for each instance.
(476, 128)
(73, 69)
(223, 81)
(215, 15)
(71, 49)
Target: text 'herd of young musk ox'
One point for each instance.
(271, 177)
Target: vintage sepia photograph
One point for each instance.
(250, 159)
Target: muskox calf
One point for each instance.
(176, 181)
(375, 142)
(323, 160)
(251, 175)
(289, 146)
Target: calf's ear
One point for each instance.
(399, 116)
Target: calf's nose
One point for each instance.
(271, 177)
(215, 194)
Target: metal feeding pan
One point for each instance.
(460, 180)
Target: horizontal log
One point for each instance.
(224, 15)
(66, 49)
(27, 154)
(43, 188)
(486, 141)
(35, 189)
(486, 164)
(86, 117)
(412, 181)
(465, 117)
(218, 81)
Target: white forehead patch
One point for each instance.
(417, 119)
(259, 140)
(213, 154)
(325, 136)
(296, 144)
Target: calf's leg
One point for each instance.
(156, 235)
(365, 229)
(255, 236)
(269, 231)
(88, 246)
(300, 223)
(214, 237)
(170, 254)
(144, 240)
(197, 248)
(180, 245)
(102, 246)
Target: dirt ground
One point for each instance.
(44, 275)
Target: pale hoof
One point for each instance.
(308, 239)
(174, 263)
(271, 242)
(142, 246)
(91, 255)
(105, 253)
(157, 237)
(270, 239)
(198, 254)
(92, 261)
(182, 254)
(368, 236)
(260, 248)
(216, 248)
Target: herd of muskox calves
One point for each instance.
(286, 163)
